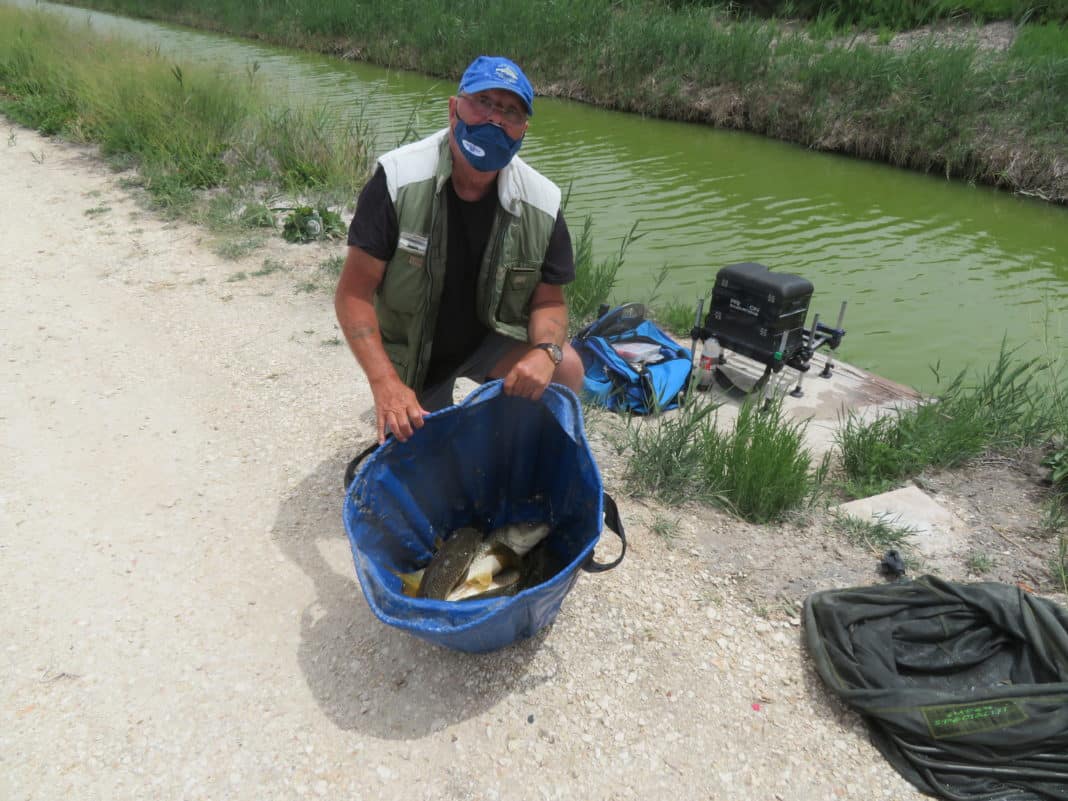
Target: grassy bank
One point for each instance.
(207, 145)
(994, 117)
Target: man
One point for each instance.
(458, 253)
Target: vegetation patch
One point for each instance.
(759, 469)
(935, 105)
(1007, 406)
(207, 145)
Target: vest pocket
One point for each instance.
(519, 282)
(398, 355)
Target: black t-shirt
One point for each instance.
(458, 332)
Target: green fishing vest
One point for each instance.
(408, 299)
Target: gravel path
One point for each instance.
(180, 613)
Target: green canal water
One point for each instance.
(933, 271)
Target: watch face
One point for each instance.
(555, 352)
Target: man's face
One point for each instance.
(498, 106)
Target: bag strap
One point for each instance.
(613, 521)
(350, 471)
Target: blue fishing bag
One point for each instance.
(487, 462)
(630, 364)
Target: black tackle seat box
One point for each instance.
(752, 307)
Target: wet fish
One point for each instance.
(410, 582)
(520, 537)
(492, 558)
(449, 565)
(468, 566)
(507, 582)
(540, 565)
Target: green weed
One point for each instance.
(877, 534)
(593, 280)
(1005, 407)
(1059, 563)
(760, 468)
(980, 563)
(332, 267)
(269, 266)
(238, 247)
(1040, 42)
(675, 317)
(665, 451)
(307, 224)
(932, 107)
(666, 528)
(185, 128)
(257, 215)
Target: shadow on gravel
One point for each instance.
(367, 676)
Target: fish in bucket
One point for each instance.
(491, 469)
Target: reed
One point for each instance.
(593, 279)
(664, 453)
(760, 468)
(185, 128)
(993, 118)
(1012, 404)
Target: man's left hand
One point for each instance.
(529, 376)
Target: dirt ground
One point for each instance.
(181, 618)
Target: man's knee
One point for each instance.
(570, 371)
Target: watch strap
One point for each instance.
(556, 353)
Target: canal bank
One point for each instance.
(180, 608)
(952, 100)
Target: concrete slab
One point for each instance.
(825, 403)
(936, 532)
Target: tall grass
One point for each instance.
(993, 118)
(759, 469)
(664, 452)
(1009, 405)
(593, 279)
(185, 128)
(895, 13)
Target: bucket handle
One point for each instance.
(354, 465)
(613, 521)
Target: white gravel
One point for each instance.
(180, 614)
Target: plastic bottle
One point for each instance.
(706, 364)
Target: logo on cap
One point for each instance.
(506, 73)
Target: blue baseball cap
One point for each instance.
(497, 72)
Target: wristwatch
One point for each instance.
(555, 352)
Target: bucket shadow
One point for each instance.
(368, 676)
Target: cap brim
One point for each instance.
(482, 86)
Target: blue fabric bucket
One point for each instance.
(487, 462)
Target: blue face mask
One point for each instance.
(486, 146)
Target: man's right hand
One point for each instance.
(397, 407)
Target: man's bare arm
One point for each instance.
(532, 369)
(548, 315)
(395, 404)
